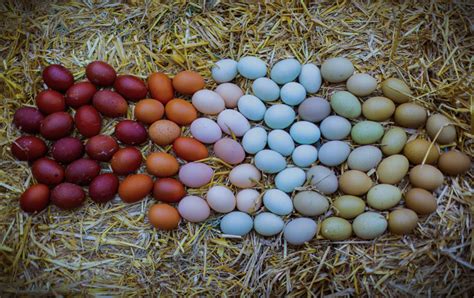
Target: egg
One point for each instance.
(224, 70)
(266, 89)
(348, 206)
(314, 109)
(300, 230)
(402, 221)
(180, 111)
(236, 223)
(333, 153)
(346, 105)
(168, 190)
(269, 161)
(254, 140)
(392, 169)
(354, 183)
(232, 122)
(393, 141)
(80, 94)
(126, 161)
(289, 179)
(397, 90)
(88, 121)
(28, 119)
(304, 155)
(221, 199)
(281, 142)
(369, 225)
(323, 179)
(164, 132)
(335, 127)
(206, 130)
(47, 171)
(364, 158)
(383, 196)
(195, 174)
(277, 202)
(188, 82)
(410, 115)
(367, 132)
(454, 163)
(103, 188)
(310, 78)
(426, 176)
(67, 149)
(58, 77)
(101, 147)
(285, 71)
(82, 171)
(35, 198)
(279, 116)
(50, 101)
(417, 149)
(336, 229)
(208, 102)
(56, 125)
(194, 209)
(251, 67)
(100, 73)
(304, 132)
(248, 200)
(163, 217)
(293, 93)
(149, 110)
(130, 87)
(189, 149)
(310, 203)
(245, 176)
(251, 107)
(361, 84)
(161, 87)
(135, 187)
(67, 196)
(110, 103)
(28, 148)
(229, 150)
(421, 201)
(268, 224)
(336, 70)
(230, 93)
(131, 132)
(437, 122)
(378, 108)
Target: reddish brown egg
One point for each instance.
(164, 132)
(135, 187)
(130, 87)
(110, 103)
(163, 216)
(162, 164)
(168, 190)
(149, 110)
(80, 94)
(88, 121)
(28, 119)
(47, 171)
(188, 82)
(189, 149)
(82, 171)
(126, 161)
(101, 147)
(58, 77)
(35, 198)
(67, 149)
(180, 111)
(68, 196)
(50, 101)
(56, 126)
(161, 87)
(100, 73)
(131, 132)
(103, 188)
(28, 148)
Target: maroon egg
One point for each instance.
(82, 171)
(100, 73)
(68, 196)
(103, 188)
(28, 148)
(67, 149)
(28, 119)
(35, 198)
(80, 94)
(130, 87)
(110, 103)
(47, 171)
(88, 121)
(101, 147)
(50, 101)
(131, 132)
(56, 125)
(58, 77)
(126, 161)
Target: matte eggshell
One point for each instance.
(254, 140)
(244, 176)
(251, 67)
(369, 225)
(361, 84)
(229, 151)
(163, 216)
(402, 221)
(378, 108)
(285, 71)
(336, 229)
(346, 104)
(278, 202)
(206, 130)
(364, 158)
(410, 115)
(292, 93)
(426, 176)
(348, 206)
(236, 223)
(421, 201)
(335, 127)
(314, 109)
(195, 174)
(355, 183)
(300, 230)
(335, 70)
(454, 163)
(188, 82)
(310, 203)
(224, 70)
(230, 93)
(193, 209)
(323, 179)
(67, 149)
(333, 153)
(281, 142)
(289, 179)
(265, 89)
(248, 200)
(251, 107)
(392, 169)
(269, 161)
(221, 199)
(438, 122)
(310, 78)
(279, 116)
(232, 122)
(397, 90)
(383, 196)
(268, 224)
(208, 102)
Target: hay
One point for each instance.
(111, 249)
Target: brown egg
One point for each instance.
(82, 171)
(378, 108)
(126, 161)
(161, 87)
(88, 121)
(131, 132)
(130, 87)
(416, 150)
(426, 177)
(58, 77)
(28, 119)
(188, 82)
(50, 101)
(68, 196)
(437, 122)
(35, 198)
(354, 183)
(56, 126)
(189, 149)
(101, 147)
(103, 188)
(168, 190)
(149, 110)
(410, 115)
(454, 163)
(397, 90)
(67, 149)
(110, 103)
(80, 94)
(47, 171)
(180, 111)
(163, 216)
(135, 187)
(100, 73)
(164, 132)
(392, 169)
(28, 148)
(421, 201)
(162, 164)
(402, 221)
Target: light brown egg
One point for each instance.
(163, 216)
(410, 115)
(402, 221)
(149, 110)
(188, 82)
(454, 163)
(162, 164)
(354, 183)
(426, 176)
(164, 132)
(438, 122)
(416, 150)
(396, 89)
(180, 111)
(421, 201)
(378, 108)
(392, 169)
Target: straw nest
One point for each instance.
(112, 249)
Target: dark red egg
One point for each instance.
(68, 196)
(131, 132)
(58, 77)
(35, 198)
(100, 73)
(168, 190)
(110, 103)
(126, 161)
(67, 149)
(101, 147)
(56, 125)
(82, 171)
(103, 188)
(28, 119)
(50, 101)
(130, 87)
(28, 148)
(88, 121)
(47, 171)
(80, 94)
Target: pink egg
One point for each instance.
(208, 102)
(193, 209)
(221, 199)
(195, 174)
(248, 200)
(232, 121)
(230, 93)
(229, 151)
(206, 130)
(244, 176)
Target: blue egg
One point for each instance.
(252, 67)
(277, 202)
(281, 141)
(289, 179)
(266, 89)
(305, 132)
(251, 107)
(304, 155)
(224, 70)
(269, 161)
(236, 223)
(285, 71)
(310, 78)
(293, 93)
(254, 140)
(279, 116)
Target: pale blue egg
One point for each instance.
(269, 161)
(289, 179)
(335, 127)
(224, 70)
(254, 140)
(277, 202)
(279, 116)
(304, 155)
(236, 223)
(266, 89)
(310, 78)
(333, 153)
(305, 132)
(293, 93)
(285, 71)
(251, 107)
(281, 141)
(268, 224)
(252, 67)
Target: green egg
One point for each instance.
(336, 229)
(346, 105)
(393, 141)
(367, 132)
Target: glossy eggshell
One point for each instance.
(168, 190)
(100, 73)
(35, 198)
(348, 206)
(163, 216)
(56, 126)
(454, 163)
(164, 132)
(88, 121)
(28, 148)
(28, 119)
(378, 108)
(103, 188)
(47, 171)
(416, 150)
(50, 101)
(110, 103)
(82, 171)
(67, 149)
(149, 110)
(161, 87)
(195, 174)
(440, 123)
(135, 187)
(131, 132)
(410, 115)
(180, 111)
(130, 87)
(189, 149)
(392, 169)
(80, 94)
(354, 183)
(194, 209)
(421, 201)
(188, 82)
(230, 93)
(162, 164)
(57, 77)
(397, 90)
(336, 229)
(402, 221)
(68, 196)
(229, 151)
(426, 177)
(101, 147)
(126, 161)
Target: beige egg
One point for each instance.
(402, 221)
(397, 90)
(245, 176)
(310, 203)
(392, 169)
(393, 141)
(410, 115)
(348, 206)
(208, 102)
(378, 108)
(383, 196)
(417, 149)
(354, 183)
(336, 229)
(426, 177)
(361, 84)
(230, 93)
(335, 70)
(437, 122)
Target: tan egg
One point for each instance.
(410, 115)
(416, 150)
(454, 163)
(230, 93)
(426, 177)
(402, 221)
(355, 183)
(397, 90)
(348, 206)
(392, 169)
(421, 201)
(164, 132)
(393, 141)
(361, 84)
(378, 108)
(437, 122)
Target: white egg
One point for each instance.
(251, 67)
(248, 200)
(285, 71)
(268, 224)
(304, 132)
(224, 70)
(244, 175)
(269, 161)
(335, 127)
(310, 78)
(333, 153)
(300, 230)
(304, 155)
(277, 202)
(220, 199)
(281, 142)
(254, 140)
(279, 116)
(251, 107)
(266, 89)
(289, 179)
(206, 130)
(293, 93)
(232, 121)
(236, 223)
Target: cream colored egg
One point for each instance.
(378, 108)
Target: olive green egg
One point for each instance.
(367, 132)
(383, 196)
(392, 169)
(396, 89)
(346, 104)
(369, 225)
(378, 108)
(310, 203)
(393, 141)
(336, 229)
(348, 206)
